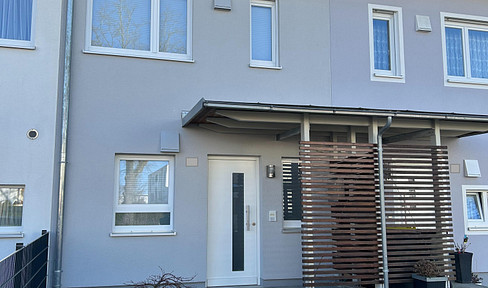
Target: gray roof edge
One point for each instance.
(346, 111)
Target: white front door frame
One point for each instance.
(257, 253)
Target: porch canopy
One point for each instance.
(358, 227)
(285, 121)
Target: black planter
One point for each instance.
(428, 282)
(463, 267)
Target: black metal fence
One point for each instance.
(26, 267)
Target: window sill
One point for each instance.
(478, 229)
(387, 78)
(265, 67)
(142, 234)
(12, 235)
(143, 56)
(17, 46)
(468, 82)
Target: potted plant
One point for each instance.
(476, 279)
(428, 275)
(462, 261)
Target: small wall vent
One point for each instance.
(472, 168)
(223, 4)
(422, 23)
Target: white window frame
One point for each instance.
(13, 231)
(274, 63)
(463, 22)
(394, 16)
(289, 225)
(476, 226)
(10, 43)
(143, 230)
(153, 52)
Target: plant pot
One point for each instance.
(463, 267)
(428, 282)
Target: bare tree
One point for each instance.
(116, 25)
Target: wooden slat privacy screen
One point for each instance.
(341, 236)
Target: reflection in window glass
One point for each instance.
(262, 38)
(173, 26)
(143, 182)
(11, 205)
(124, 24)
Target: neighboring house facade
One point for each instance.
(30, 53)
(158, 177)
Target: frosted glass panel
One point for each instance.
(122, 24)
(478, 49)
(454, 52)
(381, 38)
(473, 208)
(16, 19)
(262, 36)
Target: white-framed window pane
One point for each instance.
(16, 19)
(11, 206)
(143, 182)
(478, 50)
(262, 33)
(173, 26)
(123, 24)
(473, 206)
(454, 52)
(381, 38)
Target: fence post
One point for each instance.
(18, 264)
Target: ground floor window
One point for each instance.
(476, 208)
(11, 207)
(144, 194)
(292, 200)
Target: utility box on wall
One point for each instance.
(170, 141)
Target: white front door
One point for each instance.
(232, 244)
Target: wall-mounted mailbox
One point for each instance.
(223, 4)
(170, 141)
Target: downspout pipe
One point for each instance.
(382, 201)
(64, 143)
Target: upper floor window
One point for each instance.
(144, 194)
(465, 50)
(386, 43)
(16, 23)
(140, 28)
(264, 34)
(11, 208)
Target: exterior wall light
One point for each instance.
(270, 171)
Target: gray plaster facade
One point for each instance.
(120, 105)
(29, 93)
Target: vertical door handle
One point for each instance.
(248, 215)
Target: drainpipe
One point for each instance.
(64, 142)
(382, 201)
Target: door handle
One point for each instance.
(248, 216)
